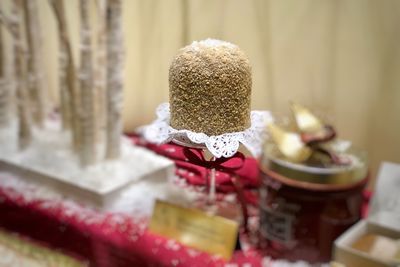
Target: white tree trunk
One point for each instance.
(69, 88)
(2, 54)
(66, 97)
(4, 87)
(65, 94)
(88, 150)
(114, 78)
(24, 113)
(100, 78)
(34, 66)
(4, 103)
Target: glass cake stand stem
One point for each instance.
(211, 180)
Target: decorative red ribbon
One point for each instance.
(228, 165)
(314, 140)
(196, 156)
(327, 134)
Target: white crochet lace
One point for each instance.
(224, 145)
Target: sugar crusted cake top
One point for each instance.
(210, 88)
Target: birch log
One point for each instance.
(100, 70)
(69, 88)
(34, 57)
(24, 113)
(2, 54)
(87, 153)
(114, 78)
(4, 87)
(66, 97)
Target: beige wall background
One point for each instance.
(339, 57)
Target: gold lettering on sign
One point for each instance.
(194, 228)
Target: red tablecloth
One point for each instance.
(104, 239)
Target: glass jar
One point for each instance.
(304, 209)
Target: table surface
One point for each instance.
(99, 238)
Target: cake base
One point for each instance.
(49, 162)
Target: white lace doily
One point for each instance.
(224, 145)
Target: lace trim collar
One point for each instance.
(224, 145)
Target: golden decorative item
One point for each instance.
(312, 155)
(312, 129)
(310, 144)
(305, 120)
(289, 144)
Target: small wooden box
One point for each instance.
(384, 219)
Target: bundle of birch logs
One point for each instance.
(90, 94)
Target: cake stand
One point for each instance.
(220, 146)
(210, 178)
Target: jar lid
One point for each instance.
(330, 175)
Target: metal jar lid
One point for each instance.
(332, 175)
